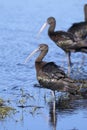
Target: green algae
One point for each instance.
(4, 110)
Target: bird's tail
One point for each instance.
(82, 43)
(84, 50)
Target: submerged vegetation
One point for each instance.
(4, 110)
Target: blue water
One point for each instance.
(20, 21)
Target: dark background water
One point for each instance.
(20, 21)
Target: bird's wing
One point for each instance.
(77, 26)
(65, 35)
(53, 71)
(81, 44)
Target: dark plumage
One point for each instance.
(79, 30)
(51, 76)
(64, 40)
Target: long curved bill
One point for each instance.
(42, 28)
(29, 56)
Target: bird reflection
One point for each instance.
(63, 107)
(53, 115)
(56, 107)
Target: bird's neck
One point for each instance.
(51, 28)
(39, 66)
(39, 63)
(85, 12)
(41, 56)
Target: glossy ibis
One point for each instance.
(49, 75)
(79, 30)
(64, 40)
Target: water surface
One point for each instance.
(19, 24)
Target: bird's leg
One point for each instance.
(69, 62)
(53, 94)
(85, 12)
(54, 114)
(83, 58)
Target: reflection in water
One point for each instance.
(53, 114)
(58, 107)
(19, 24)
(64, 107)
(55, 107)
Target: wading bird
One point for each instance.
(64, 40)
(79, 30)
(49, 75)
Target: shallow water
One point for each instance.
(19, 24)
